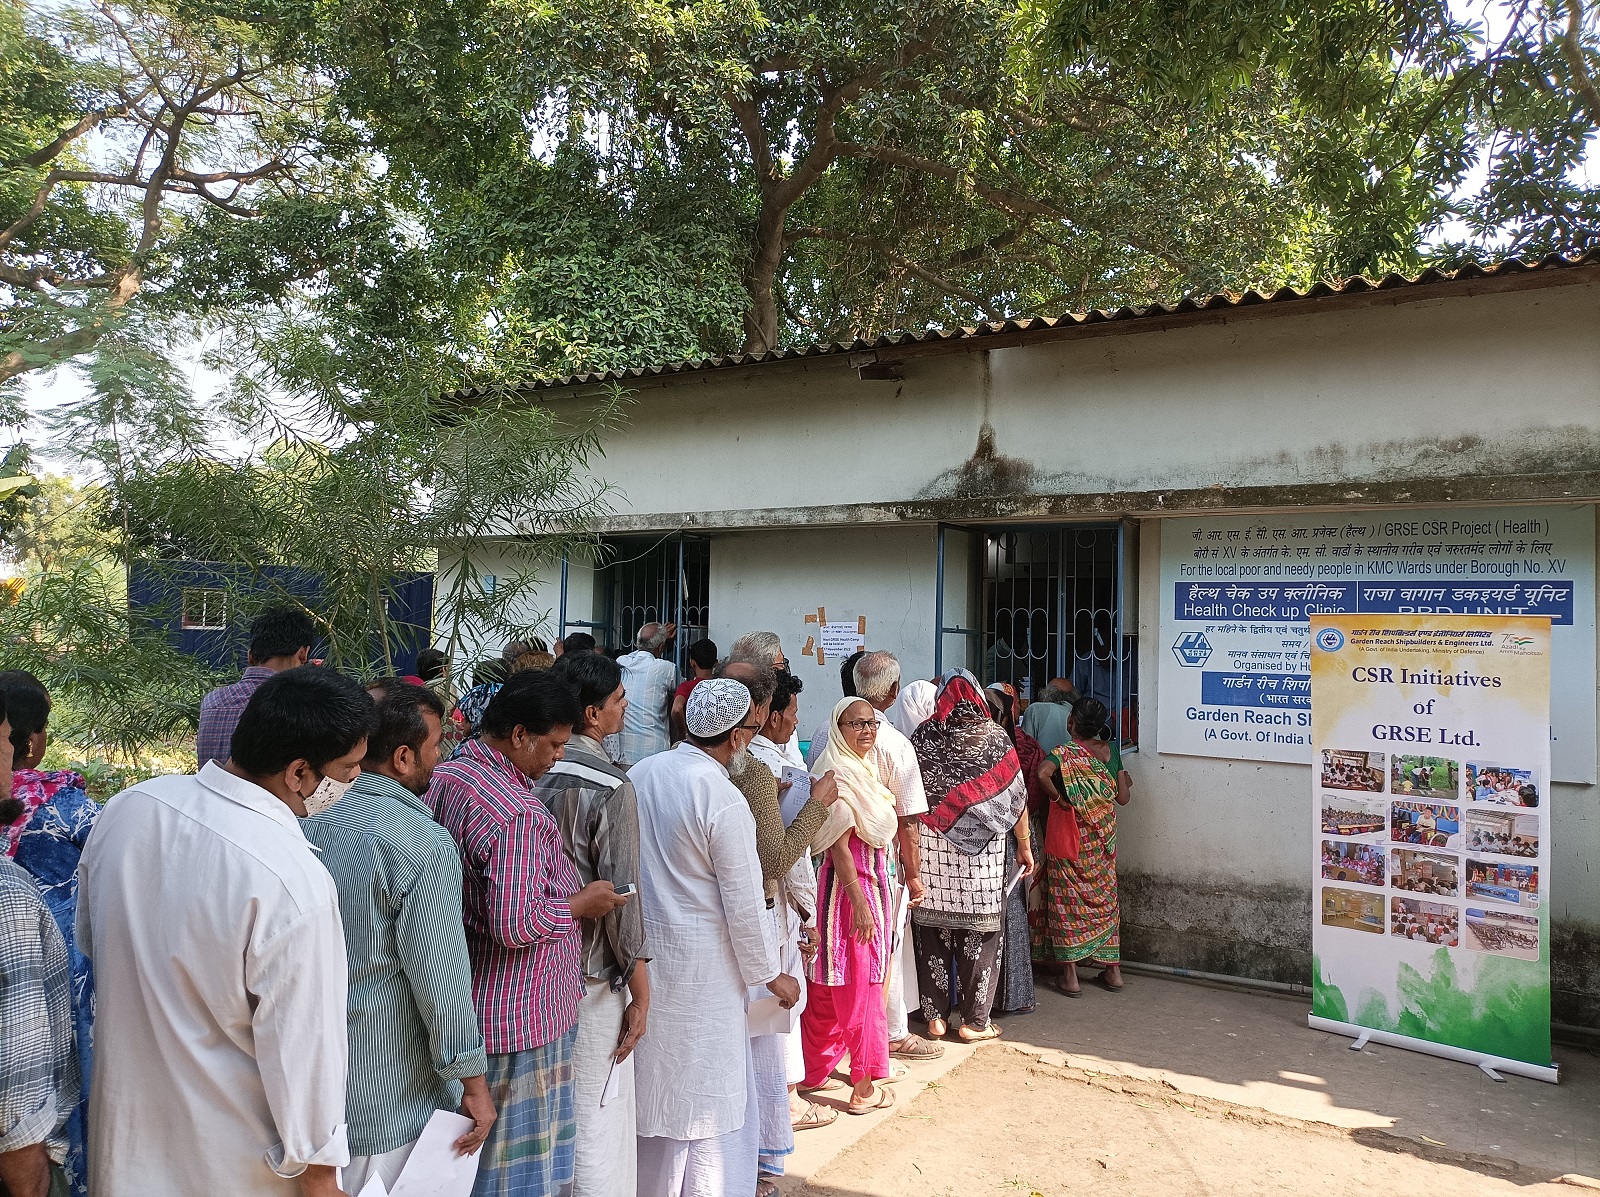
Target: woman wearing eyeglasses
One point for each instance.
(845, 1009)
(976, 795)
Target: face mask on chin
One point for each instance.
(328, 791)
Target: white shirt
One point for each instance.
(220, 972)
(705, 916)
(894, 759)
(649, 682)
(800, 882)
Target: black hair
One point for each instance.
(489, 673)
(280, 632)
(784, 692)
(535, 700)
(29, 704)
(430, 664)
(1089, 719)
(703, 653)
(10, 808)
(579, 642)
(309, 713)
(760, 680)
(1000, 710)
(847, 674)
(591, 677)
(518, 648)
(399, 720)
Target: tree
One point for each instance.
(125, 122)
(937, 162)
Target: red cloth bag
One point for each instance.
(1061, 833)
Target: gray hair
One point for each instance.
(876, 674)
(1057, 695)
(759, 679)
(651, 637)
(759, 648)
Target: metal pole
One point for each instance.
(680, 584)
(1116, 634)
(938, 610)
(562, 635)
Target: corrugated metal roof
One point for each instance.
(1355, 285)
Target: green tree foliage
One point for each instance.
(821, 170)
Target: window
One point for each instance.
(204, 610)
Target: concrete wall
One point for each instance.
(772, 580)
(1449, 391)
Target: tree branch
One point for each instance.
(911, 267)
(1012, 202)
(1578, 61)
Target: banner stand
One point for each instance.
(1491, 1065)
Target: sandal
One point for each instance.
(832, 1085)
(885, 1099)
(943, 1029)
(1059, 984)
(915, 1047)
(967, 1035)
(766, 1187)
(897, 1072)
(1107, 985)
(814, 1118)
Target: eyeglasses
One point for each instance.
(749, 727)
(859, 724)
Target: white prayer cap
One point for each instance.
(715, 705)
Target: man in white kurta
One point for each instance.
(706, 916)
(220, 968)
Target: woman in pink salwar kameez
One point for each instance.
(845, 1009)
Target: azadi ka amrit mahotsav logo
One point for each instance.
(1192, 650)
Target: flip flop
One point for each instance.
(814, 1118)
(885, 1099)
(1060, 986)
(766, 1187)
(897, 1072)
(992, 1031)
(1107, 985)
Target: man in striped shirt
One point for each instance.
(415, 1046)
(522, 905)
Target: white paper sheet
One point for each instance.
(373, 1187)
(614, 1082)
(796, 795)
(768, 1017)
(434, 1169)
(1015, 877)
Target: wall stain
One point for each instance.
(986, 474)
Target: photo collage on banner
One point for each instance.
(1430, 784)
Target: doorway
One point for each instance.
(1047, 602)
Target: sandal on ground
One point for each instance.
(832, 1085)
(968, 1035)
(766, 1187)
(814, 1118)
(915, 1047)
(897, 1072)
(1107, 985)
(942, 1024)
(1059, 984)
(883, 1099)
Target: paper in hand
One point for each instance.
(613, 1085)
(373, 1187)
(434, 1169)
(797, 795)
(1020, 874)
(768, 1016)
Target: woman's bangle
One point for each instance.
(856, 883)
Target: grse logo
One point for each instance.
(1192, 650)
(1330, 640)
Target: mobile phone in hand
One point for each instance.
(624, 891)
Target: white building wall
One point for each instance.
(771, 580)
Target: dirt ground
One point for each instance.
(1004, 1124)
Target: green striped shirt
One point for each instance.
(413, 1028)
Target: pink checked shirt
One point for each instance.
(525, 944)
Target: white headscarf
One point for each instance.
(913, 708)
(864, 805)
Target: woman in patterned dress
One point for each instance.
(1081, 915)
(976, 796)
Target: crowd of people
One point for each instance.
(1424, 875)
(1481, 840)
(1338, 821)
(1508, 787)
(1352, 770)
(1415, 921)
(611, 916)
(1352, 862)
